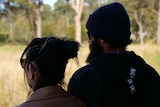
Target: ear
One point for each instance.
(101, 41)
(32, 72)
(104, 45)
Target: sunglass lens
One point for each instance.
(23, 63)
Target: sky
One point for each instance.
(49, 2)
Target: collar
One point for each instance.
(48, 92)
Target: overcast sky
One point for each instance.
(50, 2)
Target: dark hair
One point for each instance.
(115, 43)
(118, 43)
(50, 56)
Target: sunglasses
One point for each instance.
(23, 62)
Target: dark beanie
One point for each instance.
(110, 22)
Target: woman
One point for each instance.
(44, 61)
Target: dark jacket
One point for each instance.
(52, 96)
(116, 80)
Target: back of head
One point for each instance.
(110, 22)
(50, 56)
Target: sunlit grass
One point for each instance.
(150, 53)
(12, 88)
(12, 85)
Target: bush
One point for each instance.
(71, 32)
(3, 36)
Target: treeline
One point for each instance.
(22, 20)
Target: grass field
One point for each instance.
(13, 90)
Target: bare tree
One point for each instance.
(158, 27)
(77, 6)
(155, 6)
(141, 31)
(37, 8)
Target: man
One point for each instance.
(114, 76)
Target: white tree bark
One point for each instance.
(158, 28)
(77, 6)
(36, 13)
(141, 31)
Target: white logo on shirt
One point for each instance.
(130, 80)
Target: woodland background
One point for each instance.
(23, 20)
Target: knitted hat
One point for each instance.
(110, 22)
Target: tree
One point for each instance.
(77, 6)
(35, 11)
(31, 9)
(158, 27)
(142, 16)
(138, 18)
(48, 21)
(62, 13)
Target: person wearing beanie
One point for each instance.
(114, 77)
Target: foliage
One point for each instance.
(4, 31)
(61, 8)
(63, 15)
(84, 32)
(59, 20)
(48, 21)
(47, 12)
(48, 28)
(21, 30)
(141, 12)
(70, 32)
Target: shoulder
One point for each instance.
(75, 102)
(83, 72)
(83, 76)
(78, 79)
(25, 104)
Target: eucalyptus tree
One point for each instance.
(156, 10)
(9, 11)
(63, 17)
(36, 7)
(77, 6)
(143, 19)
(30, 8)
(158, 27)
(48, 21)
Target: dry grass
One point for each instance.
(150, 53)
(73, 65)
(11, 77)
(12, 85)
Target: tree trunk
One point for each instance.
(158, 28)
(77, 28)
(77, 6)
(38, 23)
(141, 33)
(36, 14)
